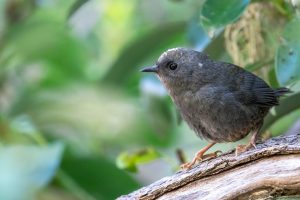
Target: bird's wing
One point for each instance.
(251, 89)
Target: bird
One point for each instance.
(221, 102)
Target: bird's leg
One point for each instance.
(242, 148)
(200, 156)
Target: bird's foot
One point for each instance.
(199, 157)
(187, 165)
(242, 148)
(211, 155)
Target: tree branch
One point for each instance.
(270, 170)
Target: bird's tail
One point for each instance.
(281, 91)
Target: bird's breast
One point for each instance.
(214, 119)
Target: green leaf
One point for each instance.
(98, 177)
(216, 13)
(26, 169)
(287, 62)
(129, 161)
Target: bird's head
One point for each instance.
(178, 67)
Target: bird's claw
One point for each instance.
(199, 158)
(186, 166)
(242, 148)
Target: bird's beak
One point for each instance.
(150, 69)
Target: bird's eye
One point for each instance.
(171, 65)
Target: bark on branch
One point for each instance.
(271, 170)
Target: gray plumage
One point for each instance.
(220, 101)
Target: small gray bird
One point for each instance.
(220, 101)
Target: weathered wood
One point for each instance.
(270, 170)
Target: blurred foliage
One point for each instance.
(19, 179)
(93, 183)
(129, 161)
(75, 113)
